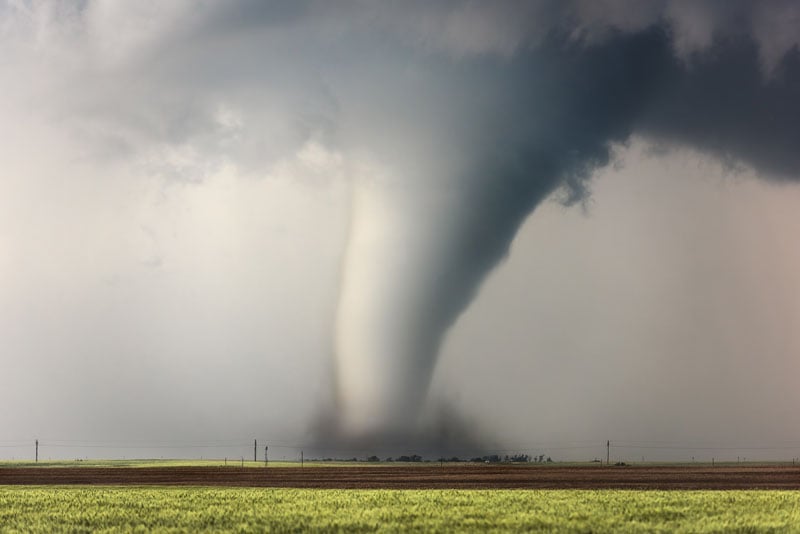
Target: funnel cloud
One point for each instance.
(523, 127)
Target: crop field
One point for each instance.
(420, 476)
(180, 509)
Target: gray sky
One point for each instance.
(177, 219)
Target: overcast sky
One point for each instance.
(182, 199)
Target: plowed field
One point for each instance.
(426, 476)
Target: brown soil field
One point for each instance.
(429, 477)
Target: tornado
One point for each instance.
(385, 342)
(443, 195)
(431, 219)
(417, 252)
(408, 271)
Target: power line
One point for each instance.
(689, 448)
(549, 447)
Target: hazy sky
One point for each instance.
(179, 206)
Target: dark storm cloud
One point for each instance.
(721, 103)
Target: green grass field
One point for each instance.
(138, 509)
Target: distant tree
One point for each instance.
(520, 458)
(373, 459)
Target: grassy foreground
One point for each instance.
(126, 509)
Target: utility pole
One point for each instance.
(255, 448)
(608, 452)
(266, 461)
(37, 450)
(301, 458)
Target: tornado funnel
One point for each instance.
(394, 276)
(414, 259)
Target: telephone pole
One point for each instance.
(37, 450)
(266, 461)
(255, 449)
(608, 452)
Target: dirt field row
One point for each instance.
(449, 476)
